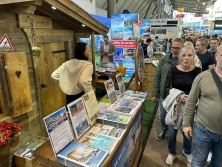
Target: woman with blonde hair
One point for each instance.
(197, 61)
(180, 77)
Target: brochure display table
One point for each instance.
(126, 153)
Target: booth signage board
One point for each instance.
(197, 15)
(124, 43)
(122, 37)
(158, 22)
(127, 152)
(180, 15)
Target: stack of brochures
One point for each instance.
(124, 106)
(134, 93)
(112, 119)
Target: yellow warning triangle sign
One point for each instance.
(6, 42)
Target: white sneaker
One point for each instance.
(170, 158)
(189, 156)
(209, 157)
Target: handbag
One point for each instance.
(217, 81)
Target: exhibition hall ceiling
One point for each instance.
(148, 8)
(145, 8)
(192, 6)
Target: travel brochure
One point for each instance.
(99, 141)
(103, 106)
(136, 93)
(81, 154)
(111, 92)
(127, 103)
(124, 106)
(112, 119)
(132, 98)
(107, 130)
(120, 83)
(91, 105)
(59, 131)
(78, 117)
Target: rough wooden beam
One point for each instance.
(14, 1)
(36, 3)
(74, 11)
(22, 9)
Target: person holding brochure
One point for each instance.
(75, 76)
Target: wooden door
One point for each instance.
(51, 57)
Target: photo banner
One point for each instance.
(122, 36)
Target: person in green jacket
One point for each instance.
(158, 93)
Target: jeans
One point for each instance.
(172, 134)
(162, 115)
(204, 141)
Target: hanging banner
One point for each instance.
(122, 35)
(124, 43)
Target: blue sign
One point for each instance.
(127, 152)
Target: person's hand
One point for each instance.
(155, 99)
(185, 99)
(188, 131)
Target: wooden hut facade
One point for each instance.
(37, 37)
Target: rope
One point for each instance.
(32, 26)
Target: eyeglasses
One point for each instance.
(175, 48)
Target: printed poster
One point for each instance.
(92, 106)
(120, 83)
(111, 92)
(79, 117)
(58, 129)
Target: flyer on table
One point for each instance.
(58, 128)
(111, 92)
(79, 117)
(92, 106)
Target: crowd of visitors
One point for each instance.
(188, 87)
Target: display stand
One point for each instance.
(139, 69)
(127, 151)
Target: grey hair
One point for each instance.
(183, 50)
(217, 50)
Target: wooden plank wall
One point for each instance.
(29, 122)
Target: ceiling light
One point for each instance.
(208, 9)
(83, 25)
(203, 3)
(195, 8)
(53, 7)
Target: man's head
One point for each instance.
(218, 56)
(106, 39)
(156, 37)
(214, 44)
(201, 45)
(148, 41)
(177, 44)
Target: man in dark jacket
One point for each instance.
(107, 51)
(158, 93)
